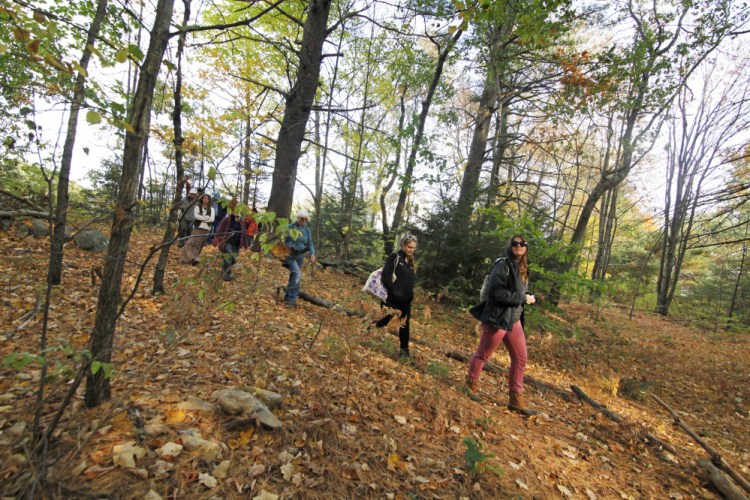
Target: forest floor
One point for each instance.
(356, 421)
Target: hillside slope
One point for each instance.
(357, 422)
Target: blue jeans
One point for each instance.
(229, 256)
(293, 263)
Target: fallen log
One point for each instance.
(602, 408)
(715, 455)
(720, 480)
(322, 302)
(22, 200)
(24, 213)
(329, 305)
(616, 418)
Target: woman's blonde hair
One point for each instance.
(405, 241)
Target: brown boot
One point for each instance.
(470, 389)
(518, 404)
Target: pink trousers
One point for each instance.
(515, 342)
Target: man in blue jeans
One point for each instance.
(299, 246)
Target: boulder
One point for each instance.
(22, 230)
(5, 223)
(91, 239)
(39, 228)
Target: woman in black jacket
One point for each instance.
(501, 321)
(400, 265)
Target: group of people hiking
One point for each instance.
(501, 311)
(218, 222)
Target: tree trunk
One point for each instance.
(607, 224)
(169, 232)
(426, 103)
(477, 151)
(736, 289)
(102, 337)
(248, 171)
(298, 105)
(387, 238)
(499, 148)
(61, 211)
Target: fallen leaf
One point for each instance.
(264, 495)
(521, 484)
(401, 420)
(221, 470)
(207, 480)
(565, 491)
(125, 455)
(287, 470)
(256, 469)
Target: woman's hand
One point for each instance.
(530, 299)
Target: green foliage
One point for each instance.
(61, 360)
(438, 370)
(476, 460)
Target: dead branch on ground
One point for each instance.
(715, 455)
(617, 419)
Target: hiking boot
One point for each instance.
(290, 304)
(470, 390)
(517, 404)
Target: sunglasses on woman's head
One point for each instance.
(515, 243)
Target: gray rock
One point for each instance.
(269, 398)
(5, 223)
(39, 228)
(22, 230)
(195, 404)
(92, 239)
(207, 450)
(234, 401)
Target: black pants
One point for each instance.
(403, 332)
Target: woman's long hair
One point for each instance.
(405, 241)
(523, 263)
(200, 205)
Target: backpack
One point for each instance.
(484, 293)
(374, 284)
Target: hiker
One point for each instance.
(203, 215)
(230, 237)
(293, 262)
(400, 265)
(186, 218)
(252, 226)
(501, 316)
(220, 211)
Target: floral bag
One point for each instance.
(374, 284)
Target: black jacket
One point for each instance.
(400, 292)
(507, 292)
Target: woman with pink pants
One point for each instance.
(501, 316)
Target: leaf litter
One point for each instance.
(356, 421)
